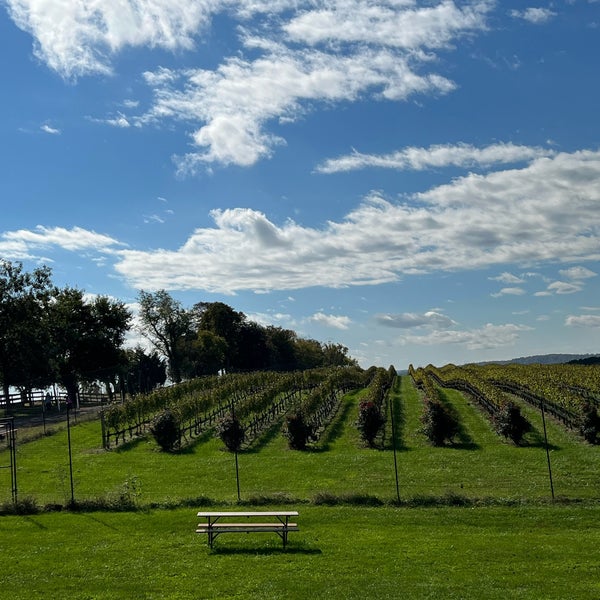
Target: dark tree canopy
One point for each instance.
(164, 322)
(24, 336)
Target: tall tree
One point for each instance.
(143, 371)
(220, 319)
(163, 321)
(87, 338)
(24, 341)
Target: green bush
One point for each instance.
(231, 432)
(439, 425)
(590, 423)
(370, 421)
(297, 431)
(510, 423)
(165, 429)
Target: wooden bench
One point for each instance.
(217, 523)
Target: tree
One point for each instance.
(24, 336)
(163, 321)
(204, 354)
(282, 348)
(143, 372)
(87, 337)
(336, 355)
(222, 320)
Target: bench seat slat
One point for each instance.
(242, 528)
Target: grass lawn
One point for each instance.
(510, 542)
(340, 552)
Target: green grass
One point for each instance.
(507, 540)
(480, 465)
(340, 552)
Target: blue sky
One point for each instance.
(419, 181)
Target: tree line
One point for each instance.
(51, 335)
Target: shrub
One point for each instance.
(590, 423)
(297, 431)
(510, 423)
(231, 432)
(439, 424)
(370, 421)
(165, 429)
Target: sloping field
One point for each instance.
(475, 520)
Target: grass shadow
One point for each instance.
(336, 427)
(265, 551)
(131, 444)
(397, 439)
(265, 438)
(190, 447)
(465, 441)
(535, 439)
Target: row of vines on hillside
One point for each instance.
(315, 410)
(194, 405)
(571, 393)
(373, 406)
(439, 423)
(505, 414)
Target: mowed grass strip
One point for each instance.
(340, 552)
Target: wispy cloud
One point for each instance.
(543, 212)
(534, 15)
(488, 337)
(51, 130)
(431, 318)
(509, 291)
(26, 244)
(80, 37)
(439, 156)
(507, 278)
(335, 321)
(583, 321)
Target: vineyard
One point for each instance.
(335, 428)
(422, 467)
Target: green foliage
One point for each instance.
(370, 421)
(510, 423)
(231, 432)
(590, 423)
(165, 430)
(297, 431)
(439, 424)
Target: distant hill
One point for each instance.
(549, 359)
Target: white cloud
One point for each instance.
(542, 213)
(51, 130)
(237, 100)
(410, 320)
(533, 15)
(507, 278)
(509, 291)
(79, 37)
(563, 287)
(583, 321)
(577, 273)
(484, 338)
(397, 24)
(335, 321)
(438, 156)
(26, 244)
